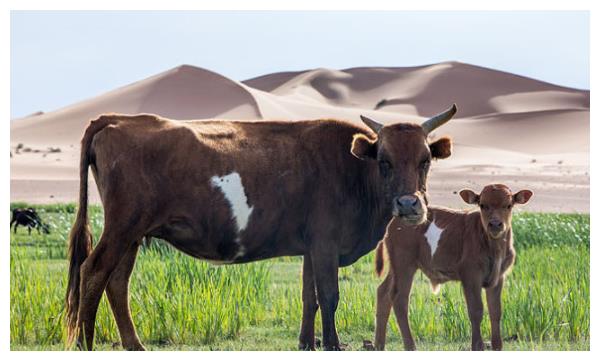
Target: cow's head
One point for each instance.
(495, 203)
(403, 157)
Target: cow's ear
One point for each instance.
(469, 196)
(441, 148)
(363, 147)
(522, 197)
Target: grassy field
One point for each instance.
(179, 303)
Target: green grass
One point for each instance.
(179, 303)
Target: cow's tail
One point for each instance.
(379, 258)
(80, 238)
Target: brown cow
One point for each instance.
(236, 192)
(474, 247)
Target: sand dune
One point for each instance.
(423, 90)
(184, 92)
(508, 127)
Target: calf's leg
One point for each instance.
(472, 292)
(402, 284)
(494, 303)
(384, 306)
(325, 264)
(117, 291)
(309, 306)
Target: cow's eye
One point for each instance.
(509, 206)
(425, 164)
(385, 167)
(484, 207)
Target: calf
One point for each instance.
(475, 248)
(29, 218)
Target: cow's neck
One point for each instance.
(380, 209)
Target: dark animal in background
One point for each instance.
(475, 248)
(236, 192)
(29, 218)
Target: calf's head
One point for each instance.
(495, 203)
(403, 156)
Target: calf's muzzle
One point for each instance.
(495, 227)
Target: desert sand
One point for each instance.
(509, 129)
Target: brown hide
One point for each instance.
(473, 247)
(235, 192)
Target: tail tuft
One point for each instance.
(379, 258)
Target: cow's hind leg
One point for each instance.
(94, 274)
(309, 306)
(117, 291)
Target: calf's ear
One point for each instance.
(441, 148)
(469, 196)
(363, 147)
(523, 196)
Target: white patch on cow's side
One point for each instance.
(433, 235)
(232, 188)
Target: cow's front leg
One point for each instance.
(325, 262)
(309, 306)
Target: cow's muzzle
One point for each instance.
(410, 209)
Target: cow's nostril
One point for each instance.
(407, 201)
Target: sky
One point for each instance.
(59, 58)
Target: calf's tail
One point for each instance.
(80, 238)
(379, 258)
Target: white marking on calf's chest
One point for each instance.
(433, 235)
(233, 190)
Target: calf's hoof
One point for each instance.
(138, 347)
(368, 345)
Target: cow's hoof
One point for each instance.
(306, 347)
(340, 347)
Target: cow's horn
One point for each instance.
(430, 124)
(376, 127)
